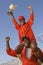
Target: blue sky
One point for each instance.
(7, 27)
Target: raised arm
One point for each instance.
(31, 18)
(9, 50)
(17, 26)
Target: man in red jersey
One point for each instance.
(31, 60)
(37, 52)
(24, 28)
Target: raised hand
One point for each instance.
(30, 8)
(7, 39)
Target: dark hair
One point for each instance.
(25, 37)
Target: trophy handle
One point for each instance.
(10, 12)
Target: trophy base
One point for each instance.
(10, 13)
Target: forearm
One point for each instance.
(31, 14)
(31, 11)
(17, 26)
(31, 18)
(30, 8)
(7, 46)
(8, 49)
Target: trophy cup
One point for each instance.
(11, 9)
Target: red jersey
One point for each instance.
(25, 60)
(25, 30)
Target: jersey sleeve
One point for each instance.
(31, 19)
(11, 52)
(17, 26)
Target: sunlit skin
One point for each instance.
(33, 45)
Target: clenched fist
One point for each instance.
(7, 39)
(29, 7)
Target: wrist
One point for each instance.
(31, 10)
(7, 42)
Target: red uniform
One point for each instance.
(40, 52)
(25, 30)
(25, 60)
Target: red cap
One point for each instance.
(20, 17)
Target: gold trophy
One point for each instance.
(11, 9)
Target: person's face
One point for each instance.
(22, 22)
(33, 45)
(26, 43)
